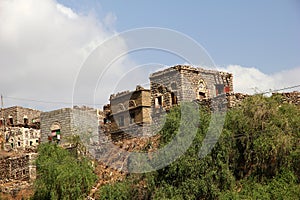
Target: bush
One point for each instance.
(60, 175)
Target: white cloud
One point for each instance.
(251, 80)
(42, 47)
(67, 11)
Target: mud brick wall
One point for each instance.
(18, 113)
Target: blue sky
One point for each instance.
(44, 45)
(261, 34)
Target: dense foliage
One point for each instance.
(257, 156)
(61, 174)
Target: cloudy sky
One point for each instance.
(47, 46)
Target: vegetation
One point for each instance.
(61, 174)
(257, 156)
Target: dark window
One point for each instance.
(132, 118)
(174, 98)
(159, 100)
(131, 103)
(19, 144)
(219, 89)
(30, 143)
(25, 121)
(1, 122)
(202, 95)
(11, 121)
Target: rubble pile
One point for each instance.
(235, 99)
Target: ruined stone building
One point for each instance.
(19, 128)
(19, 116)
(20, 138)
(16, 172)
(129, 110)
(17, 167)
(131, 113)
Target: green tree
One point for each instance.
(257, 156)
(61, 175)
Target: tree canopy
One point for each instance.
(61, 174)
(256, 156)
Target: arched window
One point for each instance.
(11, 120)
(55, 132)
(121, 107)
(159, 101)
(132, 104)
(202, 90)
(25, 119)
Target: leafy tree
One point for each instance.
(257, 156)
(61, 175)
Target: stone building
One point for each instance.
(139, 112)
(59, 125)
(19, 116)
(20, 138)
(17, 167)
(128, 112)
(185, 83)
(17, 171)
(129, 108)
(19, 128)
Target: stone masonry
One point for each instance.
(67, 122)
(19, 116)
(20, 138)
(185, 83)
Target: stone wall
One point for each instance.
(14, 168)
(235, 99)
(16, 172)
(187, 83)
(70, 121)
(290, 97)
(17, 114)
(61, 117)
(129, 108)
